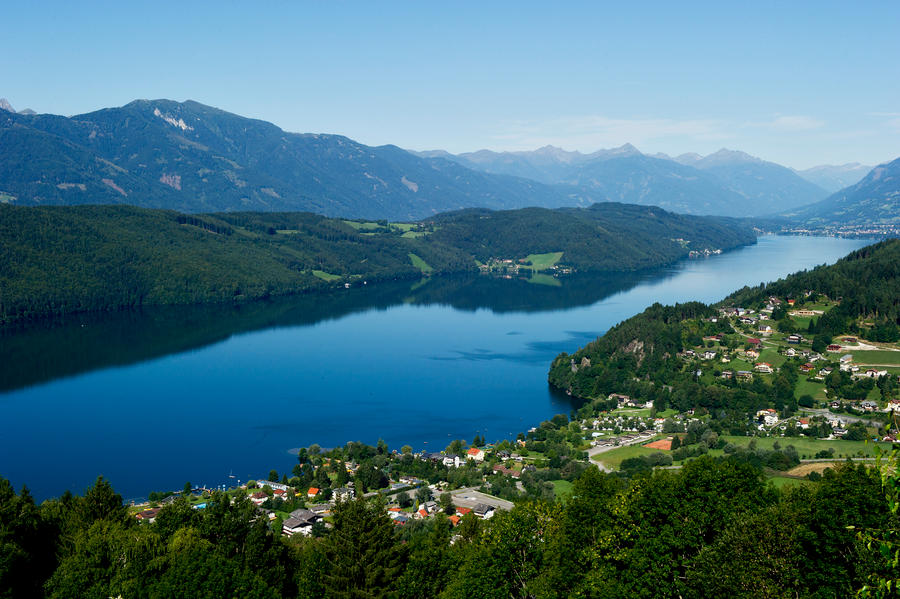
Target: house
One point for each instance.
(873, 373)
(752, 354)
(807, 368)
(765, 329)
(790, 352)
(869, 406)
(475, 454)
(483, 510)
(727, 374)
(795, 339)
(343, 494)
(259, 497)
(846, 358)
(839, 431)
(833, 348)
(462, 511)
(754, 341)
(277, 486)
(851, 340)
(300, 522)
(744, 375)
(709, 355)
(322, 509)
(311, 494)
(803, 423)
(454, 520)
(149, 515)
(501, 469)
(894, 405)
(453, 461)
(834, 404)
(767, 417)
(763, 367)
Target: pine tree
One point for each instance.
(363, 554)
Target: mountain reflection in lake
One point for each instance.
(154, 397)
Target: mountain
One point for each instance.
(195, 158)
(63, 259)
(5, 105)
(833, 178)
(726, 182)
(765, 186)
(873, 202)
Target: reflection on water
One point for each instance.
(155, 397)
(85, 342)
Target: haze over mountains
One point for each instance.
(726, 182)
(195, 158)
(874, 201)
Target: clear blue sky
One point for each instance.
(800, 83)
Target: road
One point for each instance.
(470, 496)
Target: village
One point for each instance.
(840, 412)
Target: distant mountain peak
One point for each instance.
(726, 156)
(27, 112)
(5, 105)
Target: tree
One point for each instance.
(446, 502)
(186, 491)
(273, 476)
(362, 551)
(423, 494)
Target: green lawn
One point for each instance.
(879, 356)
(420, 264)
(414, 234)
(614, 457)
(809, 447)
(562, 488)
(364, 225)
(325, 276)
(782, 481)
(806, 387)
(542, 261)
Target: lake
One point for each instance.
(153, 398)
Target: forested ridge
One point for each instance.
(639, 356)
(712, 529)
(57, 260)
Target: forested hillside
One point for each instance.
(711, 529)
(57, 260)
(657, 355)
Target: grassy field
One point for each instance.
(783, 481)
(542, 261)
(614, 457)
(325, 276)
(562, 488)
(809, 447)
(362, 226)
(880, 356)
(420, 264)
(806, 387)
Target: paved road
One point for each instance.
(469, 496)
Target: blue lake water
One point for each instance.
(155, 398)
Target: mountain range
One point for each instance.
(725, 182)
(872, 202)
(195, 158)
